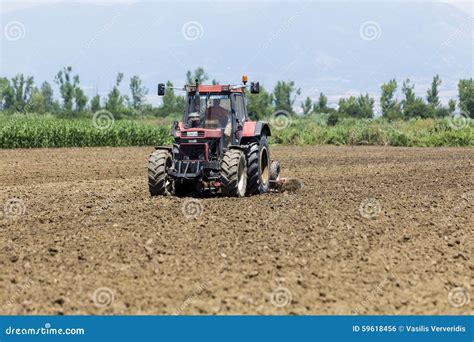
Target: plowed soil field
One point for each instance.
(374, 230)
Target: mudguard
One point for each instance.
(164, 148)
(255, 129)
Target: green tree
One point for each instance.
(67, 85)
(115, 100)
(37, 103)
(440, 112)
(20, 92)
(260, 105)
(452, 106)
(333, 118)
(138, 92)
(307, 106)
(284, 95)
(322, 105)
(215, 82)
(172, 105)
(466, 96)
(390, 105)
(169, 100)
(95, 103)
(80, 99)
(198, 74)
(47, 93)
(417, 109)
(349, 106)
(7, 100)
(408, 91)
(432, 95)
(409, 99)
(366, 105)
(180, 105)
(360, 107)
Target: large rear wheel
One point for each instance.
(233, 173)
(258, 172)
(158, 182)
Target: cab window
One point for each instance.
(239, 107)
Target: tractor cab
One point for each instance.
(208, 110)
(216, 107)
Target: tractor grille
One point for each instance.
(192, 152)
(188, 168)
(193, 134)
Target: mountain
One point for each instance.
(339, 48)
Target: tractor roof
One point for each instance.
(218, 88)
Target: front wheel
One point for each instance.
(158, 182)
(233, 173)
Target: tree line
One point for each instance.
(20, 94)
(411, 106)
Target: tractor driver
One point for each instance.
(221, 115)
(216, 112)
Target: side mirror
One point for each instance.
(254, 87)
(239, 124)
(174, 128)
(161, 89)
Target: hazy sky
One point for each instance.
(10, 5)
(339, 48)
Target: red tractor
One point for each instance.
(216, 148)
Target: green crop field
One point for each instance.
(31, 131)
(46, 131)
(313, 130)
